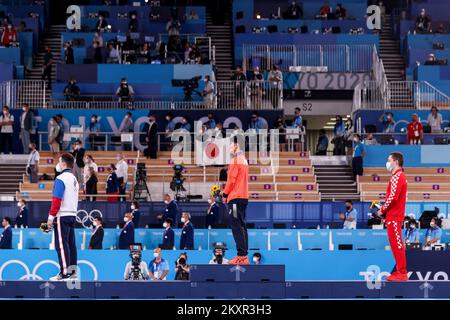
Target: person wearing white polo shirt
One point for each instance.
(122, 173)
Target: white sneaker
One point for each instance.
(60, 277)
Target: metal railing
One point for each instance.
(419, 95)
(15, 93)
(231, 95)
(338, 58)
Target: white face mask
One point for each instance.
(255, 259)
(388, 166)
(95, 223)
(183, 220)
(118, 158)
(58, 168)
(166, 201)
(155, 254)
(125, 219)
(209, 201)
(165, 224)
(133, 207)
(432, 224)
(19, 204)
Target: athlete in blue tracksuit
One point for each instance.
(62, 217)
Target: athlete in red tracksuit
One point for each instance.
(394, 212)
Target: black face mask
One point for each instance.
(348, 207)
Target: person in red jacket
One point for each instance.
(9, 35)
(394, 212)
(236, 195)
(415, 130)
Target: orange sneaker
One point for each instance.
(239, 260)
(397, 277)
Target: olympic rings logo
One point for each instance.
(87, 217)
(33, 274)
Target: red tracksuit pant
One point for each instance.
(394, 231)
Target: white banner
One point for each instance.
(214, 151)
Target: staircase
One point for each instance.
(393, 61)
(336, 183)
(12, 176)
(222, 39)
(51, 38)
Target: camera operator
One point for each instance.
(136, 269)
(219, 253)
(125, 92)
(182, 268)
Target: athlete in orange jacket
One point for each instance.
(236, 195)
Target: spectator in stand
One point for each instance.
(370, 140)
(256, 122)
(112, 183)
(133, 24)
(341, 12)
(94, 132)
(22, 214)
(434, 233)
(98, 39)
(47, 69)
(6, 237)
(158, 267)
(257, 258)
(122, 174)
(294, 11)
(187, 232)
(387, 119)
(412, 235)
(208, 92)
(414, 130)
(211, 123)
(125, 91)
(322, 143)
(281, 126)
(53, 135)
(431, 60)
(96, 242)
(78, 167)
(338, 139)
(113, 54)
(168, 235)
(9, 35)
(348, 136)
(91, 184)
(435, 120)
(68, 53)
(151, 138)
(324, 10)
(185, 124)
(423, 22)
(98, 53)
(256, 88)
(239, 86)
(127, 123)
(33, 163)
(441, 29)
(72, 90)
(359, 153)
(173, 27)
(26, 126)
(6, 131)
(101, 24)
(350, 215)
(276, 85)
(192, 15)
(60, 118)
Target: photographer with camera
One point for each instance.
(136, 269)
(159, 267)
(125, 91)
(219, 253)
(182, 268)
